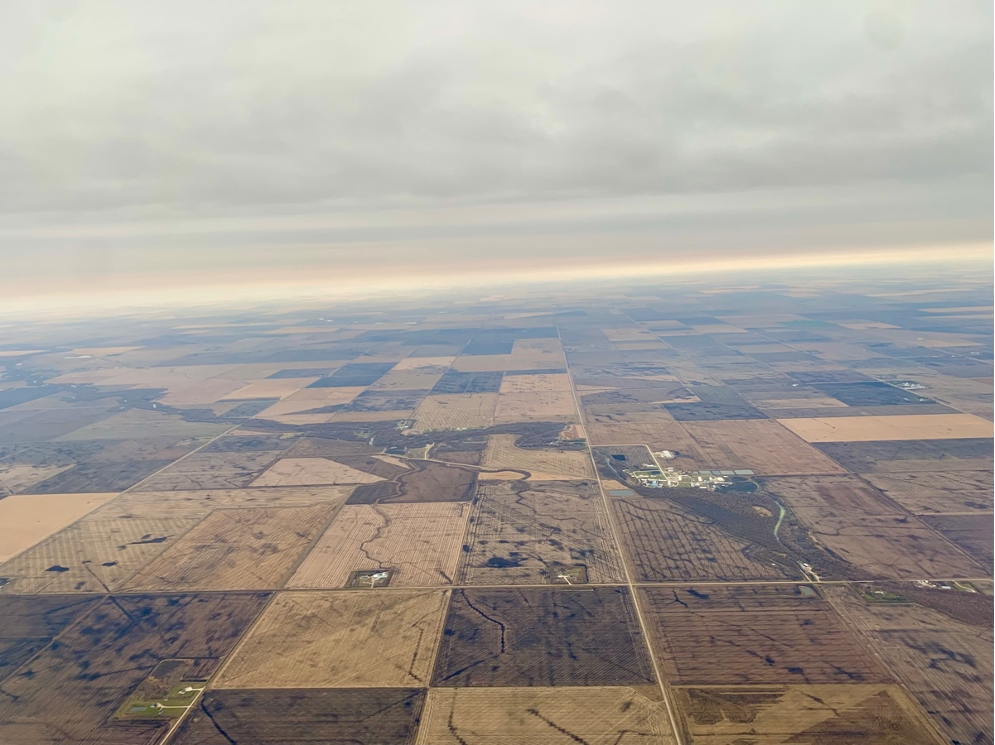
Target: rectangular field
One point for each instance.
(99, 661)
(593, 715)
(453, 411)
(30, 622)
(541, 406)
(945, 664)
(871, 428)
(542, 637)
(421, 542)
(761, 445)
(546, 464)
(824, 714)
(890, 456)
(665, 542)
(535, 383)
(245, 549)
(753, 635)
(357, 639)
(529, 532)
(933, 492)
(28, 519)
(227, 470)
(387, 716)
(311, 472)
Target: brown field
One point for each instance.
(273, 388)
(27, 519)
(92, 555)
(538, 383)
(246, 549)
(972, 532)
(419, 481)
(932, 492)
(356, 639)
(98, 662)
(820, 714)
(870, 428)
(656, 432)
(311, 471)
(30, 622)
(761, 445)
(420, 541)
(815, 497)
(666, 542)
(893, 546)
(753, 635)
(143, 424)
(203, 470)
(622, 715)
(453, 411)
(542, 464)
(546, 406)
(523, 533)
(946, 665)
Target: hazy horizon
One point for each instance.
(190, 153)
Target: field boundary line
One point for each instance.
(676, 732)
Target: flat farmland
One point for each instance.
(453, 411)
(15, 477)
(893, 546)
(528, 532)
(385, 716)
(665, 542)
(622, 715)
(358, 639)
(420, 541)
(871, 428)
(541, 464)
(761, 445)
(933, 492)
(30, 622)
(753, 635)
(945, 664)
(972, 533)
(823, 714)
(245, 549)
(93, 554)
(196, 505)
(891, 456)
(97, 662)
(535, 383)
(202, 470)
(542, 637)
(27, 519)
(419, 481)
(311, 398)
(815, 497)
(509, 362)
(541, 406)
(312, 471)
(656, 431)
(140, 424)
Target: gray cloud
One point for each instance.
(124, 113)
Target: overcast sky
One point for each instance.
(218, 143)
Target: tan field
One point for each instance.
(544, 406)
(542, 464)
(371, 416)
(865, 712)
(202, 392)
(453, 411)
(141, 423)
(758, 444)
(657, 434)
(870, 428)
(501, 476)
(248, 549)
(629, 333)
(538, 349)
(421, 541)
(537, 383)
(310, 398)
(813, 402)
(595, 715)
(506, 362)
(312, 471)
(413, 363)
(409, 379)
(102, 351)
(196, 505)
(275, 388)
(355, 639)
(203, 470)
(91, 555)
(27, 519)
(15, 477)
